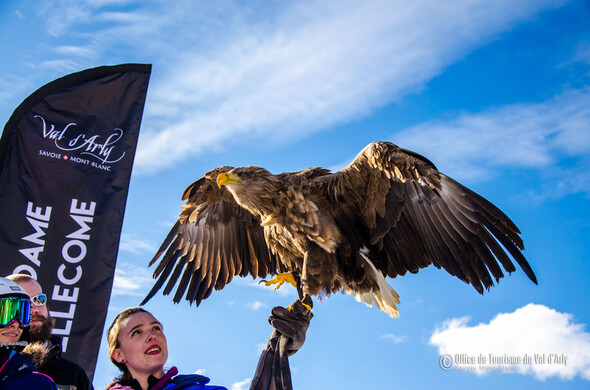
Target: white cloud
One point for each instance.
(200, 371)
(282, 73)
(62, 14)
(534, 136)
(393, 338)
(275, 71)
(243, 385)
(131, 243)
(256, 305)
(246, 72)
(75, 51)
(531, 332)
(131, 280)
(59, 66)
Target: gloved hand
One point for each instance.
(272, 371)
(292, 324)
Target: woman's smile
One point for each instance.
(153, 350)
(11, 333)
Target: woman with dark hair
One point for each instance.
(16, 371)
(138, 347)
(113, 340)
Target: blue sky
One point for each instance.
(496, 93)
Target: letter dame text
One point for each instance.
(65, 293)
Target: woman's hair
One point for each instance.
(113, 340)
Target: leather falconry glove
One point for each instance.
(288, 336)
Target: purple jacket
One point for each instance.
(171, 382)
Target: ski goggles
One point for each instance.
(39, 299)
(14, 308)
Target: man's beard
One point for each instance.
(42, 331)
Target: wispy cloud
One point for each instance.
(523, 135)
(131, 280)
(394, 339)
(75, 51)
(256, 305)
(243, 385)
(245, 71)
(532, 136)
(63, 14)
(131, 243)
(248, 71)
(59, 66)
(548, 343)
(280, 74)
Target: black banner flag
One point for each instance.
(66, 155)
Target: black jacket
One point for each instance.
(65, 373)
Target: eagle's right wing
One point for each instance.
(213, 240)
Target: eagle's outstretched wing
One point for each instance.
(414, 216)
(213, 240)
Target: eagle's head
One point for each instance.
(250, 174)
(254, 188)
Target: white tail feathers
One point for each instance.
(386, 299)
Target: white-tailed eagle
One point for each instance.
(388, 212)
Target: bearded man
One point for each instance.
(45, 349)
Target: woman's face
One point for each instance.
(142, 345)
(10, 333)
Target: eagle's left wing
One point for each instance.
(396, 203)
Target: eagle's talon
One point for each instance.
(280, 279)
(307, 307)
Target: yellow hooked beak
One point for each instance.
(226, 178)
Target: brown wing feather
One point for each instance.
(410, 215)
(213, 240)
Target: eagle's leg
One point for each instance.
(303, 297)
(298, 285)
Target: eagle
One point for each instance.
(389, 212)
